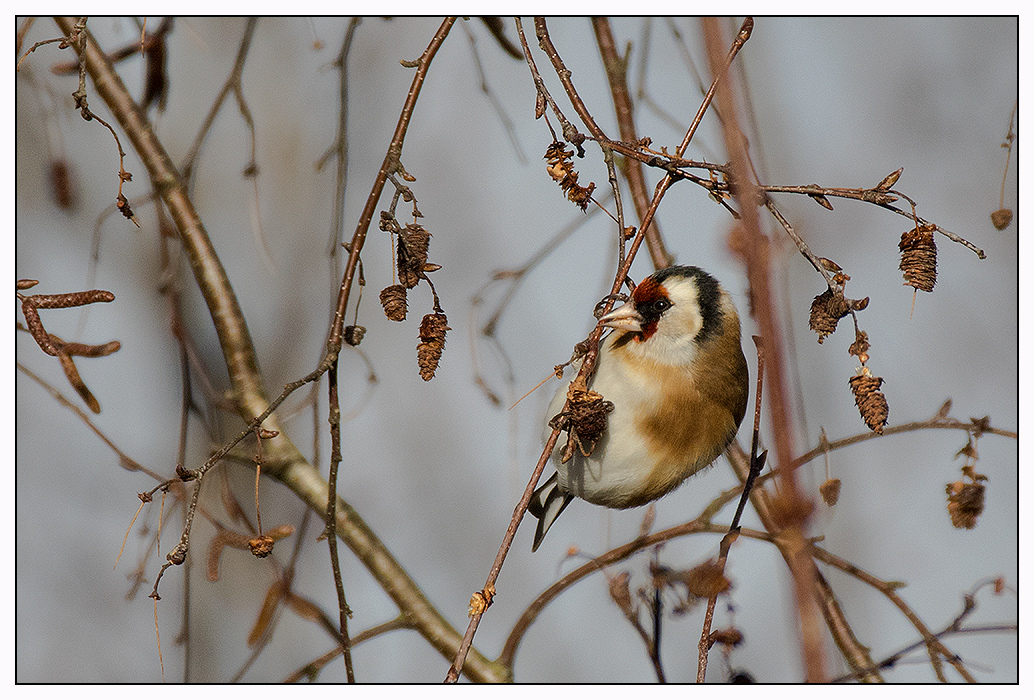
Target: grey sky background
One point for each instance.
(435, 468)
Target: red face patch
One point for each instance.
(651, 300)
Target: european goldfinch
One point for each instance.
(675, 372)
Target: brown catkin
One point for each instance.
(432, 342)
(919, 257)
(965, 503)
(64, 301)
(1001, 218)
(871, 402)
(562, 170)
(393, 299)
(412, 254)
(826, 311)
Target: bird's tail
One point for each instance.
(547, 503)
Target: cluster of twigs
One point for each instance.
(784, 512)
(788, 513)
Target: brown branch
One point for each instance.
(854, 652)
(696, 526)
(674, 166)
(546, 44)
(312, 669)
(934, 645)
(569, 130)
(616, 69)
(234, 338)
(344, 612)
(795, 507)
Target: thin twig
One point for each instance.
(125, 461)
(344, 612)
(232, 84)
(756, 464)
(389, 166)
(934, 645)
(531, 613)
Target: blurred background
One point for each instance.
(436, 468)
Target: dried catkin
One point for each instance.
(432, 341)
(919, 257)
(871, 402)
(393, 299)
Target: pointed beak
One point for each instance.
(624, 318)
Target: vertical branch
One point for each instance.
(329, 532)
(794, 507)
(616, 68)
(340, 148)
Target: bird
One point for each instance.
(674, 370)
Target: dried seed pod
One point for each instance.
(480, 601)
(860, 347)
(222, 539)
(265, 617)
(919, 257)
(122, 204)
(354, 334)
(412, 254)
(729, 637)
(830, 491)
(393, 299)
(261, 546)
(587, 417)
(965, 503)
(432, 341)
(178, 555)
(61, 184)
(871, 402)
(826, 311)
(562, 170)
(620, 594)
(1001, 218)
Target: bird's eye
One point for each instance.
(660, 306)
